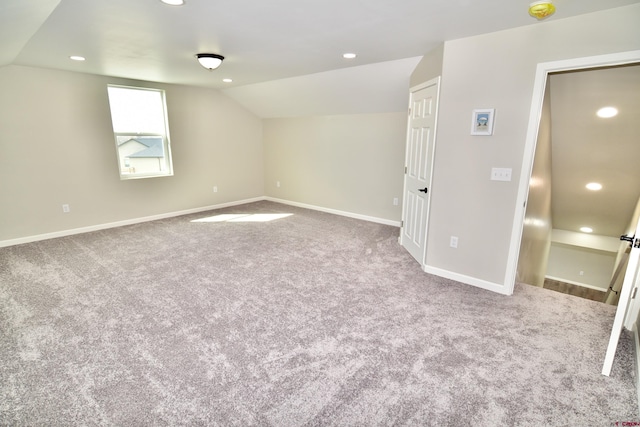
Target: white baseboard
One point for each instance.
(63, 233)
(494, 287)
(336, 212)
(479, 283)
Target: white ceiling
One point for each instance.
(262, 41)
(285, 59)
(586, 148)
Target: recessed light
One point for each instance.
(607, 112)
(77, 58)
(586, 229)
(173, 2)
(227, 80)
(349, 55)
(594, 186)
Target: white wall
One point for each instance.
(497, 70)
(57, 147)
(536, 233)
(580, 265)
(51, 118)
(429, 67)
(585, 240)
(349, 163)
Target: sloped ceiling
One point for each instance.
(19, 21)
(285, 59)
(385, 89)
(263, 41)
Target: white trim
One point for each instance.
(336, 212)
(631, 317)
(63, 233)
(571, 282)
(489, 286)
(73, 231)
(433, 81)
(539, 85)
(636, 341)
(623, 311)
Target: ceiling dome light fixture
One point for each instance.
(541, 9)
(607, 112)
(77, 58)
(210, 61)
(586, 229)
(173, 2)
(349, 55)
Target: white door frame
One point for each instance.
(629, 282)
(539, 87)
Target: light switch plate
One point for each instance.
(501, 174)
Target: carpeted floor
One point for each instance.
(305, 320)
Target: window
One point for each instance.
(139, 118)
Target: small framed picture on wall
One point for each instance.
(482, 121)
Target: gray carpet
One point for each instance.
(310, 319)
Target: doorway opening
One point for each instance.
(584, 187)
(627, 311)
(532, 248)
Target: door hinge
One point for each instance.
(409, 111)
(635, 291)
(405, 170)
(401, 224)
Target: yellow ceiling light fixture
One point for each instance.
(541, 9)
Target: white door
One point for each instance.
(631, 281)
(423, 106)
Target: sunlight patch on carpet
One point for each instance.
(243, 217)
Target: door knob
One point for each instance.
(424, 190)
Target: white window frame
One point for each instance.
(166, 168)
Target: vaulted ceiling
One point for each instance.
(292, 48)
(262, 41)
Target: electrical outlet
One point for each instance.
(215, 188)
(278, 184)
(395, 201)
(453, 242)
(66, 208)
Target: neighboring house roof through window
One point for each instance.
(154, 147)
